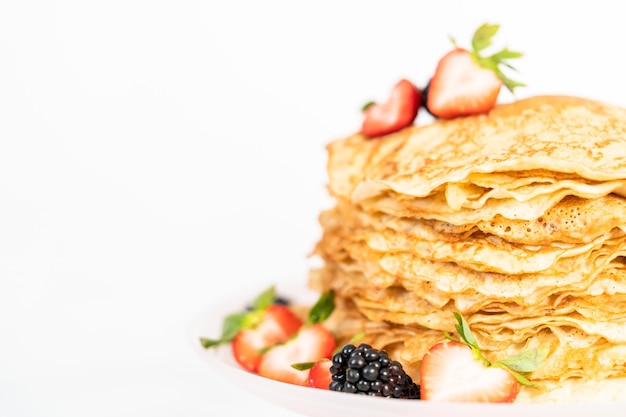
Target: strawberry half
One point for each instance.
(265, 321)
(458, 371)
(450, 372)
(311, 344)
(398, 112)
(277, 324)
(319, 374)
(467, 83)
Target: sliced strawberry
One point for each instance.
(466, 82)
(458, 371)
(450, 372)
(461, 87)
(277, 324)
(319, 374)
(311, 343)
(398, 112)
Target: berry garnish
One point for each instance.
(312, 343)
(465, 82)
(291, 360)
(319, 374)
(365, 370)
(277, 324)
(398, 112)
(458, 371)
(250, 331)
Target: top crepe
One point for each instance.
(567, 135)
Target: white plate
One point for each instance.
(320, 403)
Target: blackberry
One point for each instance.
(365, 370)
(425, 92)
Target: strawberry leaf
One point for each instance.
(356, 338)
(210, 343)
(526, 361)
(236, 322)
(483, 35)
(233, 324)
(505, 54)
(518, 376)
(322, 308)
(482, 40)
(518, 365)
(265, 299)
(464, 331)
(367, 105)
(509, 83)
(303, 366)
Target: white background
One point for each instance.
(158, 156)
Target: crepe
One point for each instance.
(515, 218)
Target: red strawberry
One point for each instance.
(312, 343)
(450, 372)
(467, 83)
(461, 87)
(319, 374)
(398, 112)
(458, 371)
(277, 324)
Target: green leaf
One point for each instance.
(357, 337)
(236, 322)
(483, 35)
(233, 324)
(209, 343)
(452, 40)
(482, 40)
(265, 299)
(303, 366)
(367, 105)
(505, 54)
(322, 308)
(526, 361)
(519, 377)
(464, 331)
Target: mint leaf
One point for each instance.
(236, 322)
(303, 366)
(265, 299)
(464, 331)
(367, 105)
(322, 308)
(209, 343)
(356, 338)
(526, 361)
(519, 377)
(233, 324)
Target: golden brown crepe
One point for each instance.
(515, 218)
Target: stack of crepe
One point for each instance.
(516, 219)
